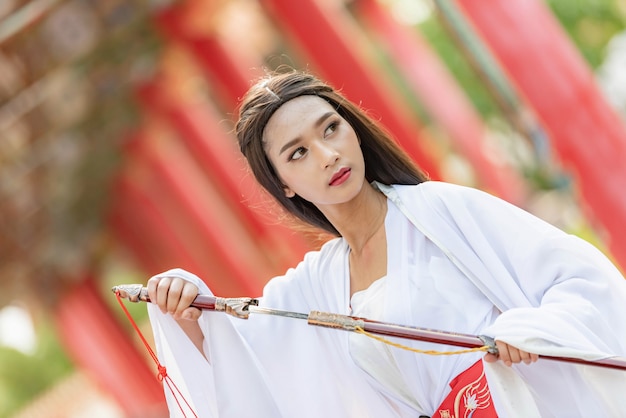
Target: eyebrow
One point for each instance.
(317, 123)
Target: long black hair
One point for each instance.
(385, 161)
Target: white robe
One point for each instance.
(558, 296)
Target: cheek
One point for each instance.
(283, 174)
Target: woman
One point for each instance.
(408, 251)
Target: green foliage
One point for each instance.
(590, 24)
(23, 376)
(458, 64)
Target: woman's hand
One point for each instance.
(510, 355)
(174, 295)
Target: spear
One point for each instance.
(244, 306)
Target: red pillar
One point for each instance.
(140, 222)
(195, 208)
(229, 72)
(444, 100)
(203, 134)
(585, 131)
(327, 35)
(203, 128)
(97, 344)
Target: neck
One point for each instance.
(361, 219)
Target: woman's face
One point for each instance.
(315, 152)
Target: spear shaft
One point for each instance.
(242, 307)
(351, 323)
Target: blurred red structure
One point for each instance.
(203, 134)
(430, 81)
(328, 36)
(228, 71)
(584, 130)
(99, 346)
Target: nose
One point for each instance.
(328, 155)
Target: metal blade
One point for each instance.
(277, 312)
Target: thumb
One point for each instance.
(491, 358)
(192, 314)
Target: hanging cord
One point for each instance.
(360, 330)
(162, 376)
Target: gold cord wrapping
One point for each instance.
(415, 350)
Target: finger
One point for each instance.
(534, 357)
(188, 294)
(503, 352)
(514, 355)
(524, 356)
(162, 290)
(173, 295)
(152, 288)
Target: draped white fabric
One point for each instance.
(438, 296)
(469, 257)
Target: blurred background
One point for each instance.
(118, 161)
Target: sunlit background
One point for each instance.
(118, 161)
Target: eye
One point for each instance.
(332, 127)
(297, 153)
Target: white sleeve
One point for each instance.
(234, 386)
(558, 295)
(550, 286)
(575, 295)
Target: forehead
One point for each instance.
(293, 118)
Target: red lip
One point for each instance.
(339, 177)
